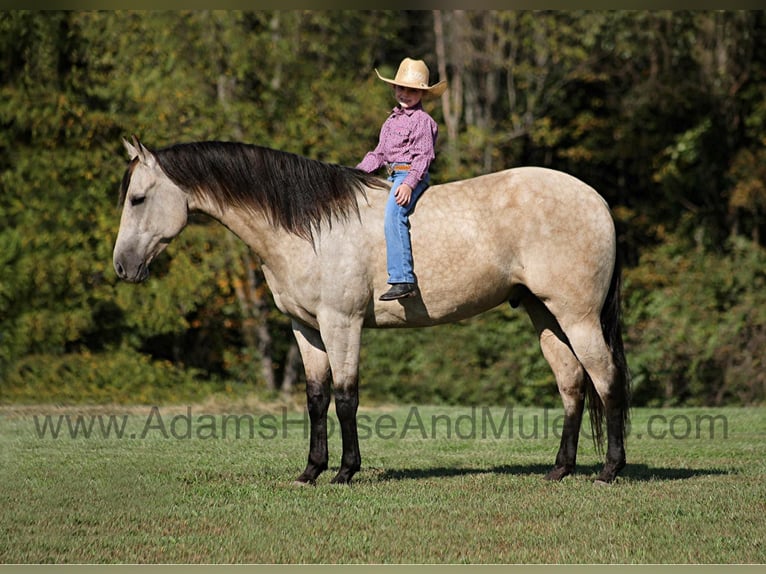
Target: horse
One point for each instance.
(534, 237)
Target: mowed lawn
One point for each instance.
(438, 485)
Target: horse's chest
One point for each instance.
(292, 301)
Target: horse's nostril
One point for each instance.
(120, 270)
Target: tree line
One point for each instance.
(663, 112)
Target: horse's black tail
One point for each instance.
(611, 326)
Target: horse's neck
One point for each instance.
(263, 238)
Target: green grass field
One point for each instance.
(438, 485)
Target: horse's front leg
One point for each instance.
(342, 335)
(346, 404)
(317, 367)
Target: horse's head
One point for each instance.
(154, 211)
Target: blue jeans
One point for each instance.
(397, 229)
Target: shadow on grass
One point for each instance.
(631, 473)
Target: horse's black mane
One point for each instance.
(293, 191)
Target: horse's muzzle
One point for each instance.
(136, 275)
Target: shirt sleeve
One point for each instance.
(372, 161)
(375, 159)
(422, 149)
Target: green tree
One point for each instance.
(662, 112)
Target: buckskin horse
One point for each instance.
(534, 237)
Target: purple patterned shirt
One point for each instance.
(407, 136)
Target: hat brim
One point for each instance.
(430, 91)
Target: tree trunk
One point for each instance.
(452, 98)
(293, 364)
(250, 290)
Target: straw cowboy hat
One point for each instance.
(414, 74)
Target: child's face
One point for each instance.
(407, 97)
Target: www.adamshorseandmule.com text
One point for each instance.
(475, 423)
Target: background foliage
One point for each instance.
(663, 112)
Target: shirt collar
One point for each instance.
(399, 110)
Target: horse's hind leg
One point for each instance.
(570, 379)
(587, 340)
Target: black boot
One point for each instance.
(400, 291)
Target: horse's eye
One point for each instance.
(134, 201)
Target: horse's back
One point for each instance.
(476, 240)
(535, 192)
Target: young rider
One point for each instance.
(406, 147)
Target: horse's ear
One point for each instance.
(137, 149)
(130, 148)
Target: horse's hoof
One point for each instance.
(558, 473)
(599, 482)
(343, 477)
(609, 473)
(299, 482)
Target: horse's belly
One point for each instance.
(442, 301)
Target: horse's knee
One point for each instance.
(317, 398)
(346, 402)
